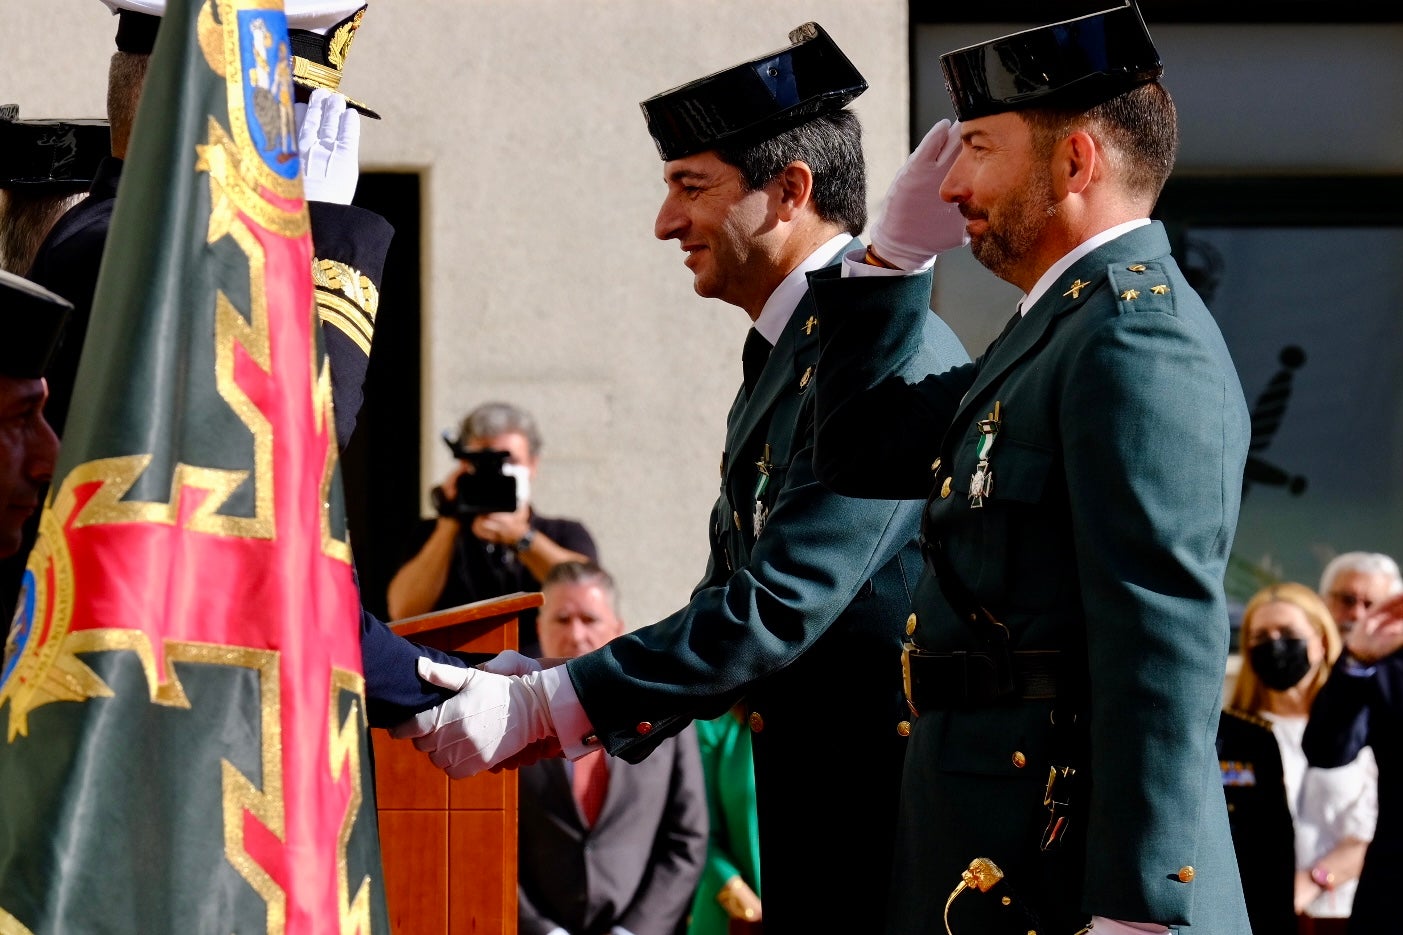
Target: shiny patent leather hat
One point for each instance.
(1075, 64)
(31, 324)
(50, 155)
(754, 100)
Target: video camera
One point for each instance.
(487, 489)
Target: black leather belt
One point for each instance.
(935, 681)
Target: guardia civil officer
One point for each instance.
(805, 594)
(45, 166)
(1066, 659)
(31, 324)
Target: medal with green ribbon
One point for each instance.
(762, 481)
(981, 482)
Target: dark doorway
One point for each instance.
(1300, 272)
(381, 465)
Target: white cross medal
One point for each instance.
(981, 482)
(762, 512)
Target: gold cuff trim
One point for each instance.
(347, 300)
(346, 318)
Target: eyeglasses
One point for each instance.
(1350, 601)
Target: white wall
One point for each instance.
(543, 284)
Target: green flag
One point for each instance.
(182, 701)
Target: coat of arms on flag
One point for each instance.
(182, 727)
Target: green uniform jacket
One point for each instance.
(805, 622)
(1117, 476)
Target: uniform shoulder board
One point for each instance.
(1141, 286)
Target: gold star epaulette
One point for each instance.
(1141, 286)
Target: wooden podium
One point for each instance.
(449, 846)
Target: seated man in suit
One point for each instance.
(606, 846)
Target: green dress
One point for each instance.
(734, 845)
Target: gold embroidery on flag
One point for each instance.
(241, 795)
(345, 748)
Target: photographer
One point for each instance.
(486, 540)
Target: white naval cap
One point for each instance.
(321, 32)
(315, 15)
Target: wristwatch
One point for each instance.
(525, 541)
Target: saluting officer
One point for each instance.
(1084, 477)
(803, 601)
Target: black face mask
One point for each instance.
(1280, 663)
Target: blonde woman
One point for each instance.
(1289, 644)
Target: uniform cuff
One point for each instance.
(572, 725)
(854, 265)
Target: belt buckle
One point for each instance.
(906, 650)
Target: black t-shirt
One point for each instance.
(482, 570)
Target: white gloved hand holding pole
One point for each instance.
(328, 142)
(490, 720)
(915, 225)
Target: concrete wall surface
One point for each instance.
(542, 281)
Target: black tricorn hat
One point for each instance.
(1076, 64)
(756, 99)
(51, 155)
(31, 320)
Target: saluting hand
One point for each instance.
(914, 224)
(328, 141)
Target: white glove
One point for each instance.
(914, 224)
(328, 141)
(510, 662)
(491, 719)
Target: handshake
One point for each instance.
(499, 719)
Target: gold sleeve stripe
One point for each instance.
(345, 317)
(346, 300)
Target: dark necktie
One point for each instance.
(1012, 322)
(757, 351)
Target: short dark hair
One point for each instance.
(1141, 126)
(831, 145)
(25, 220)
(584, 573)
(126, 74)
